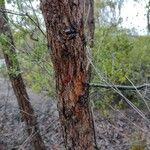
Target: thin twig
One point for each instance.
(25, 15)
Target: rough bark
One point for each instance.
(18, 85)
(66, 41)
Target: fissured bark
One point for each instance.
(66, 41)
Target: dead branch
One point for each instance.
(121, 87)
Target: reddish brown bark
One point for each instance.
(65, 33)
(18, 85)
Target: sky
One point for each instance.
(133, 14)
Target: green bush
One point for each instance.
(119, 56)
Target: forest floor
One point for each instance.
(118, 131)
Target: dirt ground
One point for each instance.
(118, 131)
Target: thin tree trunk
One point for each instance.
(89, 21)
(18, 85)
(148, 17)
(65, 34)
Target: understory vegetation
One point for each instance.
(120, 74)
(118, 58)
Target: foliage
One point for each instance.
(140, 59)
(111, 53)
(37, 67)
(115, 55)
(31, 46)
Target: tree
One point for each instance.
(148, 17)
(89, 21)
(66, 41)
(27, 112)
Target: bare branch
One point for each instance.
(121, 87)
(25, 15)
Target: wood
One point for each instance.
(121, 87)
(26, 110)
(89, 21)
(66, 42)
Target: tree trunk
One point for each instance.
(18, 85)
(148, 17)
(89, 21)
(65, 34)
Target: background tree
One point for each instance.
(89, 21)
(148, 17)
(18, 85)
(65, 33)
